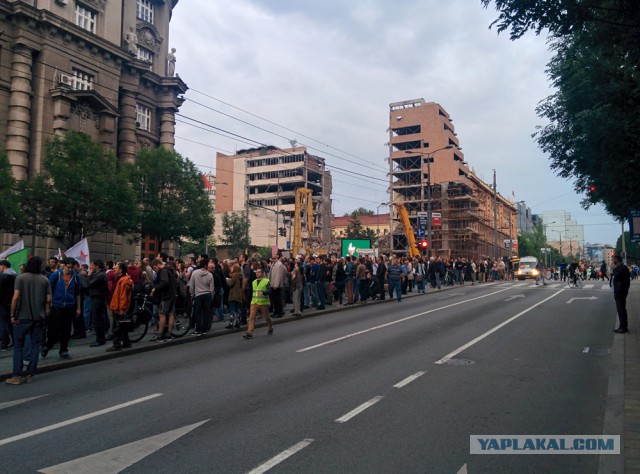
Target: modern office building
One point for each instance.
(428, 174)
(563, 232)
(95, 66)
(263, 182)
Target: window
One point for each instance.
(143, 117)
(144, 10)
(85, 18)
(82, 81)
(145, 55)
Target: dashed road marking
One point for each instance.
(409, 379)
(287, 453)
(360, 409)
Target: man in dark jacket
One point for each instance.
(65, 306)
(97, 286)
(621, 281)
(7, 280)
(381, 274)
(166, 290)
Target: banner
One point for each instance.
(80, 252)
(13, 249)
(18, 258)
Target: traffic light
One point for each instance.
(282, 231)
(592, 188)
(424, 245)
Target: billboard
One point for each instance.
(353, 247)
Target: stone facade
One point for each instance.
(95, 66)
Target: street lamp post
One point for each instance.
(428, 156)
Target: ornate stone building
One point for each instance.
(102, 67)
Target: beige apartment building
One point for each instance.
(263, 182)
(102, 67)
(429, 175)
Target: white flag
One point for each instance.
(80, 252)
(59, 256)
(13, 249)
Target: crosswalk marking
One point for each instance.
(562, 284)
(18, 402)
(587, 287)
(118, 459)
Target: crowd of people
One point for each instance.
(46, 306)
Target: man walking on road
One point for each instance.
(394, 279)
(621, 281)
(277, 278)
(97, 285)
(29, 309)
(259, 303)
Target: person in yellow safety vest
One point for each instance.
(259, 303)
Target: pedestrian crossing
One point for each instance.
(604, 286)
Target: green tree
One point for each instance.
(632, 249)
(235, 227)
(592, 135)
(9, 210)
(172, 200)
(83, 190)
(361, 211)
(530, 243)
(355, 230)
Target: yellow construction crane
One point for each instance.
(303, 213)
(408, 231)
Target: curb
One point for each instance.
(186, 339)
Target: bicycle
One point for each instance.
(142, 315)
(575, 281)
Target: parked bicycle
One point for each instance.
(142, 315)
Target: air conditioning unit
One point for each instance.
(65, 79)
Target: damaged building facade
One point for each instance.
(428, 174)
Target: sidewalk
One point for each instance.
(82, 354)
(631, 420)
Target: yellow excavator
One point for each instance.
(408, 231)
(303, 212)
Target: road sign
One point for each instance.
(421, 232)
(436, 219)
(422, 218)
(634, 226)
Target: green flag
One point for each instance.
(18, 258)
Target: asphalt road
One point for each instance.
(394, 387)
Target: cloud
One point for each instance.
(328, 70)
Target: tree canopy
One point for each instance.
(83, 190)
(9, 210)
(361, 211)
(171, 197)
(593, 130)
(355, 230)
(235, 228)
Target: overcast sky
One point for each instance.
(324, 73)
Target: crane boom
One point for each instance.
(408, 231)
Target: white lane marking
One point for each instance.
(606, 288)
(18, 402)
(587, 287)
(360, 409)
(491, 331)
(514, 297)
(274, 461)
(463, 469)
(585, 350)
(554, 285)
(582, 298)
(118, 459)
(76, 420)
(409, 379)
(518, 284)
(375, 328)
